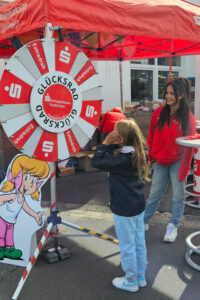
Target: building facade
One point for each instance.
(141, 80)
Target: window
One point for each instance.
(141, 85)
(149, 77)
(162, 81)
(144, 61)
(165, 61)
(192, 82)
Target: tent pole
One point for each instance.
(48, 31)
(197, 88)
(170, 77)
(121, 85)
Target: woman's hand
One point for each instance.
(113, 138)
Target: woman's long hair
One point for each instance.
(181, 87)
(132, 136)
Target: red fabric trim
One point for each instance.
(149, 28)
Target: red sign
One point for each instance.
(57, 102)
(65, 55)
(72, 143)
(21, 136)
(91, 111)
(37, 52)
(86, 72)
(47, 148)
(14, 90)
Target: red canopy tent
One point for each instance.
(106, 29)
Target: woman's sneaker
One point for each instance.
(123, 284)
(171, 233)
(142, 282)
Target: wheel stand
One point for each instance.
(57, 252)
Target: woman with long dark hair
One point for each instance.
(171, 161)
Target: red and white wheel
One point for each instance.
(51, 99)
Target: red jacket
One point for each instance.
(109, 120)
(162, 143)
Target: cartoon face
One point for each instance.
(29, 184)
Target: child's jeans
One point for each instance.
(131, 235)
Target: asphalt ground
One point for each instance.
(83, 200)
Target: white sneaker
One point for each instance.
(142, 282)
(146, 226)
(123, 284)
(171, 233)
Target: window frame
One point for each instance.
(155, 69)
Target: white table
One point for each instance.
(191, 248)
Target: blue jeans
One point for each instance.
(131, 237)
(161, 176)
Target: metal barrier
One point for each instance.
(191, 250)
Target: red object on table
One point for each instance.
(193, 137)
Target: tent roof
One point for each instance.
(106, 29)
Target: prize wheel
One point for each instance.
(50, 100)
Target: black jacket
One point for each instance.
(126, 189)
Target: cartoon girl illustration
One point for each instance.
(24, 178)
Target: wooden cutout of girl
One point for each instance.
(24, 178)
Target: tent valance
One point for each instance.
(106, 29)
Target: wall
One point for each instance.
(143, 119)
(110, 81)
(109, 76)
(188, 66)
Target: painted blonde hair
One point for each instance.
(30, 166)
(131, 134)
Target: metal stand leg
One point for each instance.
(91, 232)
(54, 253)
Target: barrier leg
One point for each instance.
(54, 253)
(32, 262)
(91, 232)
